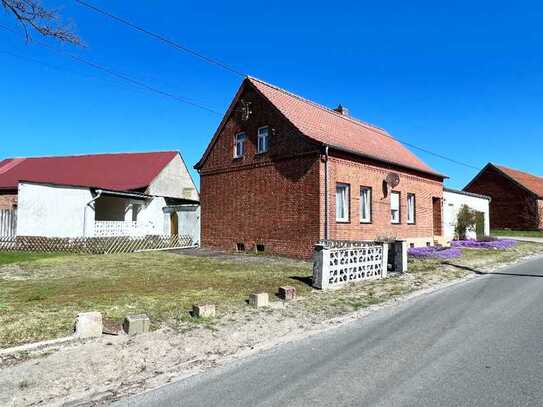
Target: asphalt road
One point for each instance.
(478, 343)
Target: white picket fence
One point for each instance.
(8, 223)
(118, 228)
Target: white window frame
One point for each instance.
(367, 201)
(239, 144)
(393, 219)
(345, 196)
(263, 140)
(411, 209)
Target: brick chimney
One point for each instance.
(342, 110)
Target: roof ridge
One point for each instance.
(521, 171)
(322, 107)
(91, 154)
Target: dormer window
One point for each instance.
(263, 138)
(239, 145)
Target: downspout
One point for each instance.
(98, 195)
(326, 234)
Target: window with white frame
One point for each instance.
(342, 202)
(239, 145)
(411, 211)
(365, 204)
(263, 138)
(395, 207)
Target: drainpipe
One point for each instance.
(98, 195)
(326, 234)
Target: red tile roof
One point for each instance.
(531, 182)
(120, 172)
(329, 127)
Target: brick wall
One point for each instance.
(8, 200)
(512, 207)
(359, 172)
(270, 199)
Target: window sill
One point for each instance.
(238, 158)
(395, 223)
(343, 221)
(366, 222)
(411, 223)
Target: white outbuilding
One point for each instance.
(101, 195)
(453, 200)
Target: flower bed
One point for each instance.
(436, 252)
(498, 244)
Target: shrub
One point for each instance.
(466, 219)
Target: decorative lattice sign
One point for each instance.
(342, 262)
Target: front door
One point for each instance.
(438, 222)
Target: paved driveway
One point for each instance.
(524, 238)
(478, 343)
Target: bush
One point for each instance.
(466, 219)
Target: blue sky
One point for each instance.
(464, 80)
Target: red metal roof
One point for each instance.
(119, 172)
(531, 182)
(329, 127)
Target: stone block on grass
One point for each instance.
(203, 310)
(88, 325)
(259, 299)
(287, 293)
(136, 324)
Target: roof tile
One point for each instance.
(327, 126)
(120, 172)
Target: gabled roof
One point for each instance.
(531, 183)
(119, 172)
(327, 127)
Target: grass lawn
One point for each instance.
(40, 295)
(520, 233)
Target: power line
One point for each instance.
(163, 39)
(121, 76)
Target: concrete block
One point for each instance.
(203, 310)
(287, 293)
(88, 325)
(136, 324)
(259, 299)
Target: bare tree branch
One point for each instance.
(32, 15)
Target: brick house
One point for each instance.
(282, 173)
(517, 197)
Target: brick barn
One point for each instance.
(517, 197)
(282, 173)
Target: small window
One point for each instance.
(240, 247)
(263, 139)
(342, 202)
(395, 207)
(365, 205)
(239, 145)
(411, 208)
(260, 248)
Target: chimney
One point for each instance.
(342, 110)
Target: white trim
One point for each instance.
(266, 137)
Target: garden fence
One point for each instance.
(94, 245)
(8, 223)
(338, 262)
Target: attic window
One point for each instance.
(239, 145)
(263, 139)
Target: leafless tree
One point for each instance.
(33, 16)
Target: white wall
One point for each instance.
(174, 181)
(51, 211)
(452, 202)
(151, 217)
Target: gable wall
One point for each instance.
(174, 181)
(270, 199)
(512, 207)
